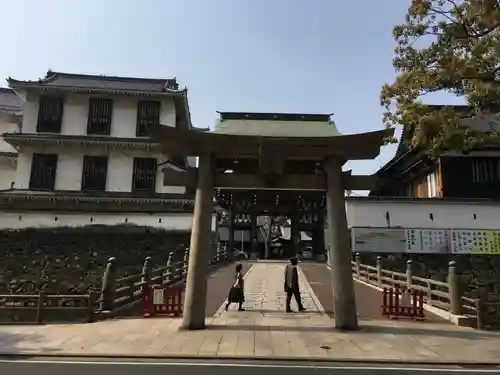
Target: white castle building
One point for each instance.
(76, 151)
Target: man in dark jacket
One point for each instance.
(292, 285)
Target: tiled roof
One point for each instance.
(84, 81)
(9, 100)
(436, 200)
(482, 123)
(276, 124)
(274, 116)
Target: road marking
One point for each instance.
(442, 367)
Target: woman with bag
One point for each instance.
(236, 294)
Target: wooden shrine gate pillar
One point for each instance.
(230, 228)
(253, 234)
(344, 303)
(295, 234)
(319, 237)
(195, 298)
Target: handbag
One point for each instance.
(286, 287)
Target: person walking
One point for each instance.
(292, 285)
(237, 292)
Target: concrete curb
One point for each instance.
(310, 290)
(428, 362)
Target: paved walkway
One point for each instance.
(368, 299)
(263, 331)
(264, 290)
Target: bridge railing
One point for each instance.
(36, 307)
(117, 293)
(443, 295)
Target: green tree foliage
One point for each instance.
(445, 46)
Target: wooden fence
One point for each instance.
(42, 303)
(484, 310)
(116, 292)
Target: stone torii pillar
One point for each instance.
(195, 298)
(344, 302)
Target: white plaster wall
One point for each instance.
(70, 161)
(21, 220)
(70, 166)
(75, 114)
(7, 173)
(7, 166)
(7, 125)
(418, 214)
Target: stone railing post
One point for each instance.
(146, 274)
(169, 272)
(358, 265)
(218, 254)
(454, 289)
(108, 290)
(185, 263)
(379, 271)
(409, 274)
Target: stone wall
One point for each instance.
(475, 271)
(72, 260)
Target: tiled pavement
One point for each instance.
(368, 299)
(264, 290)
(264, 330)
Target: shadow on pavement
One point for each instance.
(282, 312)
(219, 283)
(368, 299)
(12, 343)
(365, 329)
(249, 327)
(431, 330)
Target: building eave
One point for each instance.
(19, 85)
(409, 200)
(14, 111)
(103, 83)
(8, 155)
(24, 139)
(96, 202)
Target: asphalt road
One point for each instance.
(166, 367)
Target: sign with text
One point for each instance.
(379, 240)
(422, 240)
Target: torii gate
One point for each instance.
(270, 154)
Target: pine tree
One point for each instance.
(445, 46)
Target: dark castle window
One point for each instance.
(485, 170)
(50, 113)
(144, 178)
(95, 169)
(99, 117)
(148, 116)
(43, 172)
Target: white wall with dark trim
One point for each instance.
(31, 219)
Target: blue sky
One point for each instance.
(307, 56)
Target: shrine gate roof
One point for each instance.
(276, 124)
(224, 145)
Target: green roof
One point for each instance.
(276, 124)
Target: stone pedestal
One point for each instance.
(195, 299)
(339, 257)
